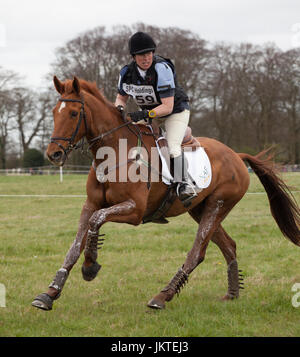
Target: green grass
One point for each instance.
(137, 262)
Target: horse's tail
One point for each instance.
(283, 205)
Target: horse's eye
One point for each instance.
(74, 114)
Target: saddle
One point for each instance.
(188, 141)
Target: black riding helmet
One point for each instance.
(140, 43)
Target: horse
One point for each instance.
(82, 111)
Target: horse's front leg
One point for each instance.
(124, 212)
(45, 300)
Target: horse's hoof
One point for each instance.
(90, 273)
(228, 297)
(43, 301)
(156, 304)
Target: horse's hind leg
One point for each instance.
(213, 212)
(228, 248)
(44, 301)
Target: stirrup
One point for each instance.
(187, 197)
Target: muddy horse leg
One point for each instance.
(213, 212)
(228, 248)
(124, 212)
(44, 301)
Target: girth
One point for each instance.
(158, 216)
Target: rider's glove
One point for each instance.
(145, 114)
(140, 115)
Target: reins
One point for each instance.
(101, 136)
(71, 146)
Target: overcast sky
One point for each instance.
(31, 30)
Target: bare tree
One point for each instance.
(95, 56)
(31, 111)
(6, 115)
(289, 103)
(219, 92)
(7, 80)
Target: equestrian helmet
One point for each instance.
(140, 43)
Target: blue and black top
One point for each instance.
(148, 87)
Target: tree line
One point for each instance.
(245, 95)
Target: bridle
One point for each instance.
(70, 140)
(82, 117)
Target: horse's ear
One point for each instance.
(59, 86)
(76, 85)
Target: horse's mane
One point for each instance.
(91, 88)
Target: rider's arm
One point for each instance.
(122, 97)
(121, 100)
(165, 88)
(165, 108)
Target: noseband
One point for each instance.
(70, 140)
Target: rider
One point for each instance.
(151, 81)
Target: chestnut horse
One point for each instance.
(82, 111)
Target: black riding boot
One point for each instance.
(185, 190)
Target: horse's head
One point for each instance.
(69, 121)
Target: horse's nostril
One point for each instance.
(57, 155)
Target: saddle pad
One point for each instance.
(199, 168)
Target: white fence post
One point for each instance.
(61, 173)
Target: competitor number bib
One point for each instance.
(142, 95)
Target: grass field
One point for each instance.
(36, 233)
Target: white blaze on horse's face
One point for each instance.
(63, 104)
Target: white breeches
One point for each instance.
(175, 126)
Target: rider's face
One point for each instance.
(144, 61)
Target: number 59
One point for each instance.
(148, 99)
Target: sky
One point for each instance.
(31, 30)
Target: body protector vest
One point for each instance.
(159, 82)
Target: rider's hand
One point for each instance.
(140, 115)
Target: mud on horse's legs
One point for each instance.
(123, 213)
(228, 247)
(212, 215)
(45, 300)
